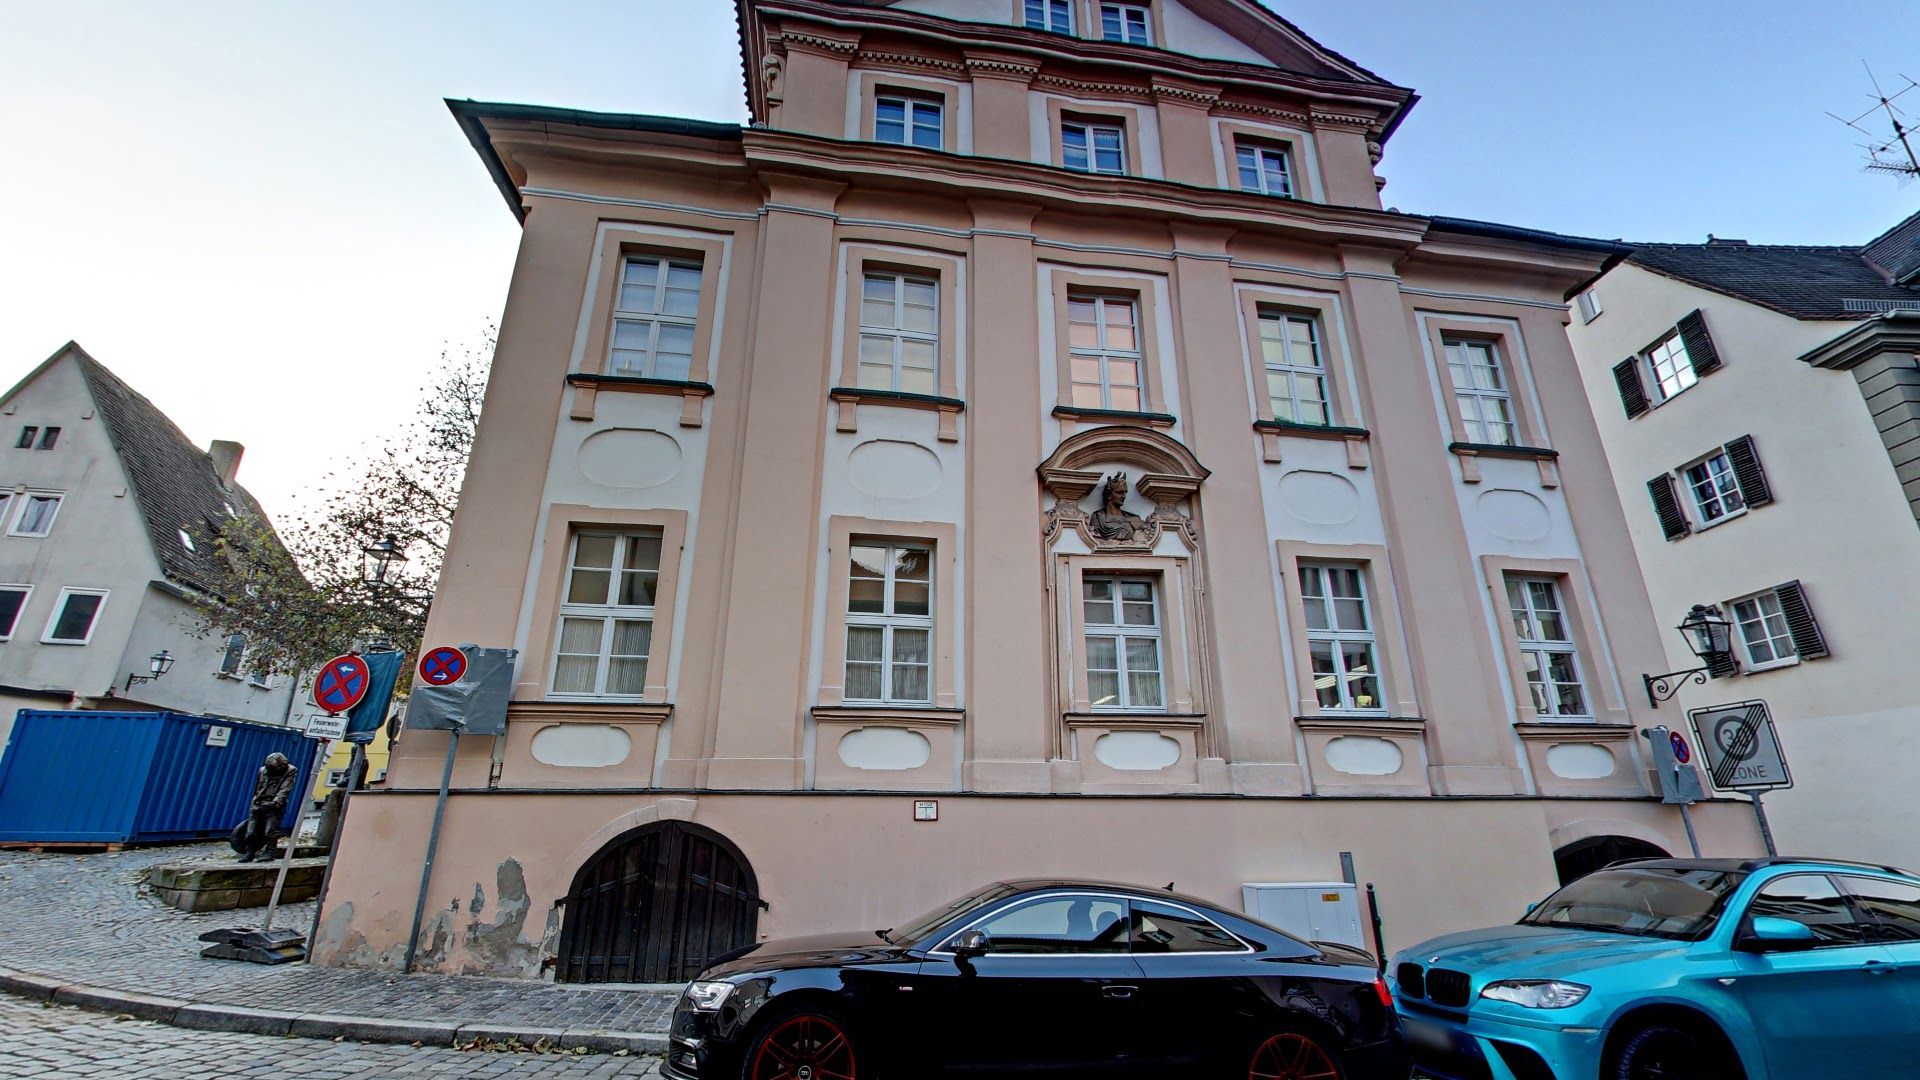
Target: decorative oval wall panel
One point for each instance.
(1514, 515)
(1136, 751)
(889, 469)
(1581, 761)
(1363, 755)
(1319, 498)
(581, 746)
(629, 458)
(890, 749)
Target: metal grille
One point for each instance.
(1449, 988)
(658, 906)
(1412, 979)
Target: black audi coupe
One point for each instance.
(1048, 978)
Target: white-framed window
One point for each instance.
(1340, 639)
(655, 317)
(899, 333)
(1296, 374)
(36, 513)
(1590, 308)
(1053, 15)
(1672, 368)
(889, 623)
(1103, 343)
(1542, 630)
(75, 614)
(1093, 147)
(1129, 23)
(606, 614)
(232, 655)
(13, 601)
(909, 120)
(1715, 488)
(1123, 643)
(1480, 388)
(1764, 631)
(1265, 169)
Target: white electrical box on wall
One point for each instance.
(1311, 910)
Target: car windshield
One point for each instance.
(1650, 901)
(933, 920)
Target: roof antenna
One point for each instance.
(1884, 155)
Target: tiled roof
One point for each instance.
(1897, 251)
(1805, 282)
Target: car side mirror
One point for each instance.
(971, 943)
(1769, 933)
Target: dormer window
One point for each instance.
(1131, 24)
(1055, 16)
(1265, 169)
(908, 120)
(1094, 147)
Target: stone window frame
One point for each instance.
(873, 84)
(1138, 288)
(949, 273)
(1595, 660)
(1302, 155)
(1062, 111)
(563, 520)
(1397, 684)
(944, 540)
(1336, 365)
(1180, 663)
(592, 377)
(1510, 352)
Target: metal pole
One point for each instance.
(1379, 934)
(433, 842)
(293, 838)
(1766, 830)
(326, 878)
(1692, 840)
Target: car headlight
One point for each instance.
(1536, 993)
(708, 996)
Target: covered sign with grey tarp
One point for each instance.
(474, 705)
(1742, 750)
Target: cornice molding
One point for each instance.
(996, 66)
(1079, 86)
(1894, 331)
(909, 60)
(790, 39)
(1265, 112)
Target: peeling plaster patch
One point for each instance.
(497, 948)
(338, 944)
(479, 899)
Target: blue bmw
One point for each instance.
(1701, 969)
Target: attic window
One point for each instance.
(186, 540)
(27, 435)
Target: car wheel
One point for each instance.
(807, 1045)
(1668, 1051)
(1291, 1055)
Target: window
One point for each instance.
(1810, 899)
(899, 333)
(1103, 340)
(1590, 305)
(36, 515)
(74, 615)
(49, 437)
(1546, 647)
(1129, 23)
(1072, 925)
(1671, 366)
(1265, 169)
(655, 315)
(1891, 907)
(1123, 643)
(1763, 629)
(1296, 378)
(909, 121)
(13, 600)
(889, 623)
(1346, 672)
(27, 435)
(1162, 928)
(1716, 491)
(1053, 15)
(1092, 147)
(232, 654)
(606, 616)
(1481, 390)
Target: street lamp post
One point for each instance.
(384, 555)
(159, 664)
(1710, 636)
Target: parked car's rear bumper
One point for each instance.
(1487, 1048)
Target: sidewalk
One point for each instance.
(82, 930)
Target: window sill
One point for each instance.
(590, 711)
(858, 712)
(850, 398)
(1077, 415)
(1771, 665)
(1133, 718)
(1271, 431)
(1470, 454)
(587, 385)
(1717, 522)
(1352, 723)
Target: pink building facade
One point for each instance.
(1029, 448)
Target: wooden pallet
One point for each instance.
(67, 847)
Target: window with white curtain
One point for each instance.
(1103, 342)
(1480, 388)
(1124, 672)
(655, 317)
(899, 333)
(1545, 637)
(1296, 375)
(1340, 638)
(889, 623)
(606, 614)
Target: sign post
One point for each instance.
(1673, 771)
(1743, 754)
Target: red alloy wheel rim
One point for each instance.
(1292, 1057)
(805, 1048)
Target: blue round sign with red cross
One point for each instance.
(442, 666)
(1682, 753)
(341, 684)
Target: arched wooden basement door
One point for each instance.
(1583, 857)
(658, 905)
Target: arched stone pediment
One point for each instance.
(1169, 475)
(1152, 451)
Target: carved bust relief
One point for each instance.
(1112, 523)
(1170, 477)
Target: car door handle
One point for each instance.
(1878, 967)
(1120, 992)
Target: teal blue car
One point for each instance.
(1680, 969)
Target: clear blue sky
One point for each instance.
(262, 216)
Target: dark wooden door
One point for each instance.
(657, 906)
(1583, 857)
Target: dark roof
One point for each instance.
(174, 482)
(1804, 282)
(1747, 866)
(1897, 251)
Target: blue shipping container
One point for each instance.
(137, 777)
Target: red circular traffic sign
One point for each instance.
(342, 683)
(443, 665)
(1682, 753)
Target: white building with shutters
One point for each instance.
(1760, 407)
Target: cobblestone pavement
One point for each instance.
(87, 918)
(56, 1041)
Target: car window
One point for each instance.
(933, 920)
(1893, 907)
(1158, 928)
(1810, 899)
(1682, 903)
(1059, 924)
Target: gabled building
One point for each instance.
(1761, 408)
(1029, 447)
(107, 512)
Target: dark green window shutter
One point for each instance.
(1699, 343)
(1745, 460)
(1633, 393)
(1666, 504)
(1807, 639)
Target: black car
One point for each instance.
(1043, 978)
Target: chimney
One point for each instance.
(226, 459)
(1723, 241)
